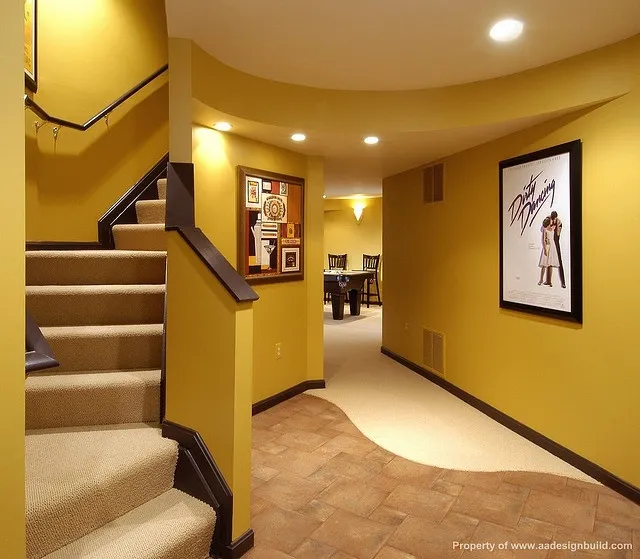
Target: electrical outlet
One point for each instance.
(406, 326)
(278, 350)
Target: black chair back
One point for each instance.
(370, 262)
(337, 262)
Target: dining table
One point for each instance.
(339, 283)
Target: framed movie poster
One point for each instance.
(30, 44)
(271, 226)
(541, 232)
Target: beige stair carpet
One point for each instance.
(171, 526)
(90, 267)
(151, 211)
(140, 236)
(99, 480)
(105, 398)
(80, 479)
(162, 189)
(106, 348)
(80, 305)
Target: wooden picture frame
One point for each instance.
(270, 226)
(541, 232)
(31, 44)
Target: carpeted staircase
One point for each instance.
(99, 474)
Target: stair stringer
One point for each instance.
(198, 475)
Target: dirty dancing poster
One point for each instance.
(540, 232)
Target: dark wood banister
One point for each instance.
(44, 115)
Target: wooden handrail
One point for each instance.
(181, 218)
(30, 104)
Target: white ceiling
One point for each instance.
(353, 168)
(395, 44)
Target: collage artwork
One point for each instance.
(273, 227)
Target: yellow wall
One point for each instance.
(577, 385)
(281, 314)
(12, 532)
(343, 234)
(209, 362)
(90, 53)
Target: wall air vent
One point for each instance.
(433, 183)
(433, 351)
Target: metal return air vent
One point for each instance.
(433, 351)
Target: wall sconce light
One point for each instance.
(357, 212)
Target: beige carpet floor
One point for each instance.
(412, 417)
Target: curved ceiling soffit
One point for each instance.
(578, 81)
(387, 45)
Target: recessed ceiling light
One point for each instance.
(506, 30)
(371, 140)
(298, 137)
(222, 126)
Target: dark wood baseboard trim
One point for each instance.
(280, 397)
(239, 546)
(605, 477)
(63, 245)
(198, 475)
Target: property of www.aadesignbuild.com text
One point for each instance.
(571, 546)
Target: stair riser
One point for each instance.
(136, 402)
(150, 211)
(83, 309)
(87, 353)
(44, 269)
(139, 239)
(162, 189)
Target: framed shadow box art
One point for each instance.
(541, 232)
(271, 223)
(31, 44)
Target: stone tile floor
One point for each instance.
(322, 490)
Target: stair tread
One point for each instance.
(46, 380)
(138, 227)
(96, 289)
(151, 203)
(108, 330)
(78, 479)
(171, 526)
(117, 254)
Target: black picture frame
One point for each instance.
(532, 186)
(31, 78)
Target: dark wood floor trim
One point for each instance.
(605, 477)
(63, 245)
(38, 354)
(124, 210)
(280, 397)
(181, 218)
(241, 545)
(198, 475)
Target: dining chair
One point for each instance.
(371, 263)
(336, 262)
